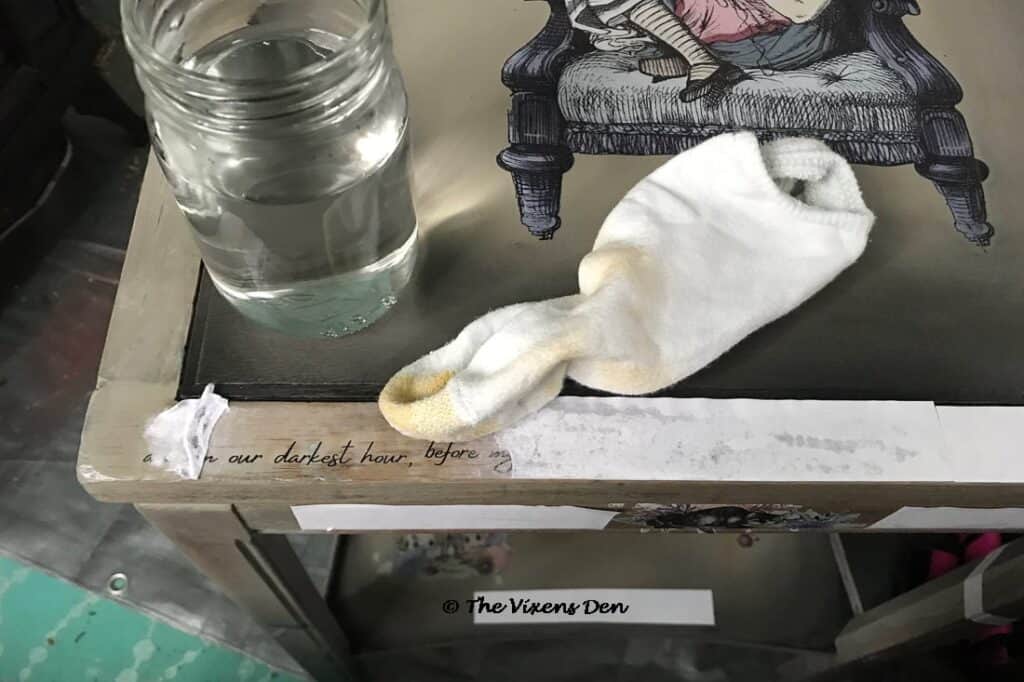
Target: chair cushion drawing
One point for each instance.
(850, 93)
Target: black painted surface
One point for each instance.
(847, 343)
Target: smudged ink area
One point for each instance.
(723, 440)
(900, 454)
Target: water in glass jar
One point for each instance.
(304, 262)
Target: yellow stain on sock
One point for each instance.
(408, 388)
(418, 405)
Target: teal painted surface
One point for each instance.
(52, 631)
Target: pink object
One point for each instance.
(941, 563)
(713, 21)
(982, 545)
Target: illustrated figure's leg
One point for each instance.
(706, 72)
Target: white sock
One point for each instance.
(699, 254)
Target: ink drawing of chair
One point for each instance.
(880, 98)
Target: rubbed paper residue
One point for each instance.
(179, 437)
(729, 440)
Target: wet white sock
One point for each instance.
(699, 254)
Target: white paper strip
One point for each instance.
(729, 440)
(639, 606)
(953, 518)
(984, 442)
(369, 517)
(974, 593)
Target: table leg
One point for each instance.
(262, 574)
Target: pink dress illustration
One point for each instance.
(713, 21)
(708, 41)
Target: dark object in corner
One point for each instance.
(47, 64)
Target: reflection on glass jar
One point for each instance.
(281, 127)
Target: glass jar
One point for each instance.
(281, 128)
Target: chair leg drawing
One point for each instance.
(537, 155)
(947, 153)
(949, 162)
(537, 176)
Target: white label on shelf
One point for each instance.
(953, 518)
(984, 442)
(620, 606)
(370, 517)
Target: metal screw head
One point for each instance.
(117, 583)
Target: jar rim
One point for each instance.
(159, 65)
